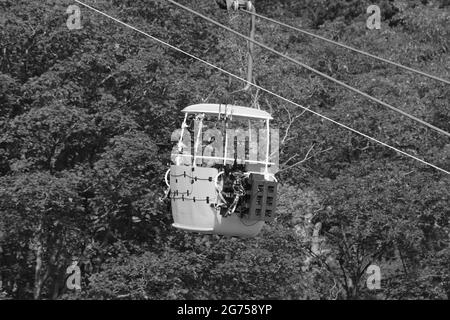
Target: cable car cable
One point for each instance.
(348, 47)
(265, 90)
(262, 45)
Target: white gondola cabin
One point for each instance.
(222, 177)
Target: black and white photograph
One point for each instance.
(225, 156)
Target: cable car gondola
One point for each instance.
(227, 186)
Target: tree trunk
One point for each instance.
(39, 278)
(38, 270)
(352, 289)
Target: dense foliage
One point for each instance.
(86, 117)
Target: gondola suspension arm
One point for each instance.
(237, 5)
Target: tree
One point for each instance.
(43, 223)
(85, 125)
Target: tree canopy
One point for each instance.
(86, 118)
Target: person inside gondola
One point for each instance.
(222, 4)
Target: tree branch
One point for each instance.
(306, 158)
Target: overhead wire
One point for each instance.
(262, 45)
(348, 47)
(261, 88)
